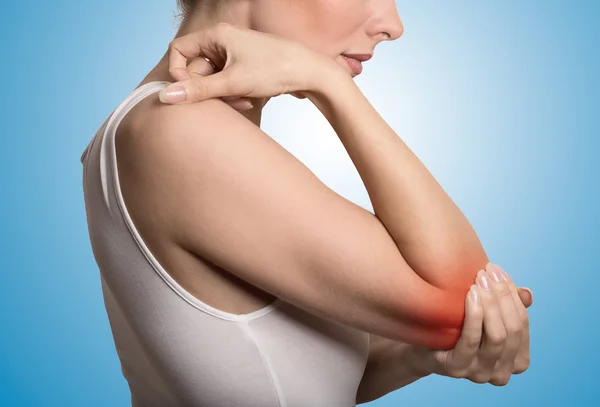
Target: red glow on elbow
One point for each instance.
(433, 317)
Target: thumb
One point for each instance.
(197, 89)
(526, 296)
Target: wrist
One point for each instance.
(324, 78)
(418, 361)
(391, 366)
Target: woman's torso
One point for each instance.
(197, 335)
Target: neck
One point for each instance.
(236, 13)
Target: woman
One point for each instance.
(233, 277)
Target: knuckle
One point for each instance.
(198, 90)
(457, 373)
(521, 365)
(476, 313)
(458, 367)
(480, 377)
(500, 379)
(233, 84)
(520, 369)
(174, 43)
(525, 318)
(472, 341)
(496, 339)
(503, 290)
(513, 328)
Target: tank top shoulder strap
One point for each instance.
(127, 104)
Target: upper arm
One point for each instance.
(231, 194)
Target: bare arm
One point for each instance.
(431, 232)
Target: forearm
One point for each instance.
(433, 235)
(391, 366)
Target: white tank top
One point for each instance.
(176, 350)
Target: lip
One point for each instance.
(360, 57)
(354, 64)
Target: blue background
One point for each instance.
(499, 99)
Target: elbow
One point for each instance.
(429, 316)
(430, 304)
(454, 270)
(433, 335)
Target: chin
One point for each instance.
(343, 64)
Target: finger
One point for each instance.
(522, 295)
(507, 304)
(526, 296)
(493, 326)
(236, 98)
(198, 43)
(200, 66)
(203, 67)
(465, 351)
(298, 95)
(522, 360)
(199, 88)
(231, 98)
(240, 104)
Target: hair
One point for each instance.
(186, 7)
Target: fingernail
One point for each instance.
(496, 273)
(530, 293)
(503, 273)
(172, 94)
(484, 282)
(248, 105)
(474, 295)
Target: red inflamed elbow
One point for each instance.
(430, 316)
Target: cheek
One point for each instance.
(335, 23)
(327, 26)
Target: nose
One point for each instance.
(386, 21)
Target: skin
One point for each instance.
(334, 27)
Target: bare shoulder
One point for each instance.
(158, 144)
(152, 124)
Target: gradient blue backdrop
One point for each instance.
(498, 98)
